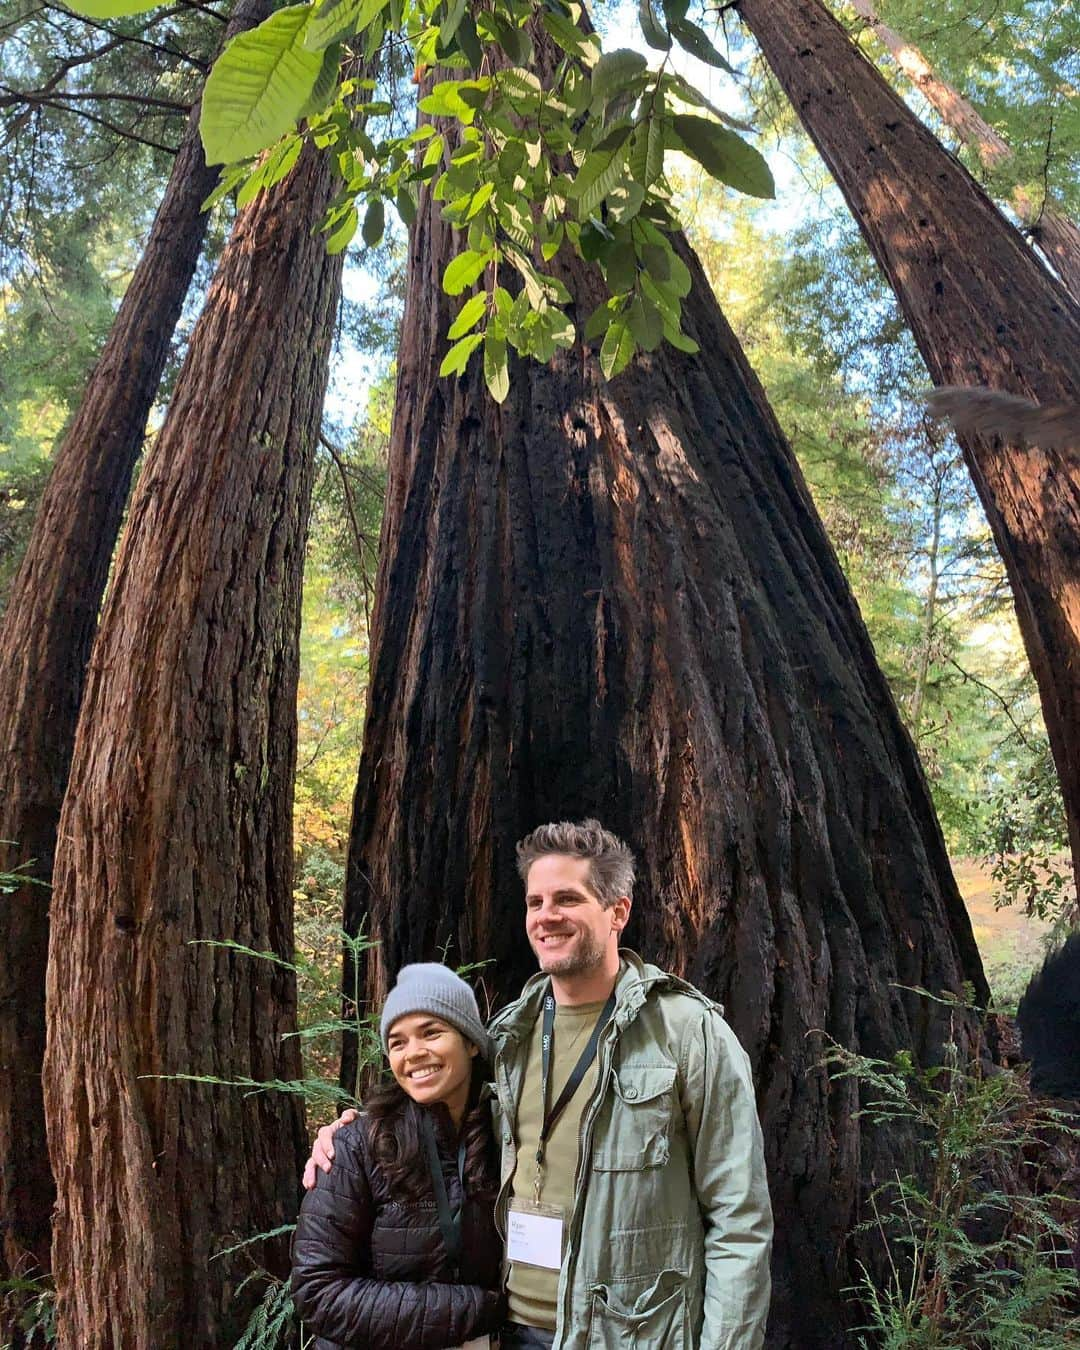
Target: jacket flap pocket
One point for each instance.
(640, 1083)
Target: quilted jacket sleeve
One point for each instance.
(334, 1292)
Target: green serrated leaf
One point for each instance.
(335, 20)
(406, 206)
(646, 323)
(469, 315)
(656, 259)
(374, 222)
(598, 321)
(615, 70)
(624, 202)
(617, 348)
(457, 358)
(445, 101)
(684, 90)
(617, 136)
(480, 199)
(340, 238)
(455, 12)
(697, 42)
(651, 28)
(322, 95)
(469, 41)
(597, 176)
(620, 267)
(258, 87)
(496, 366)
(679, 339)
(570, 37)
(680, 282)
(228, 181)
(724, 155)
(646, 161)
(464, 271)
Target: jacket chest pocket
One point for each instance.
(635, 1123)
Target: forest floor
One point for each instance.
(1011, 944)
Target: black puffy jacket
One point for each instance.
(370, 1271)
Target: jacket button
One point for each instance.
(630, 1092)
(507, 1137)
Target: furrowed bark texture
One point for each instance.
(177, 824)
(617, 599)
(45, 641)
(983, 310)
(1047, 225)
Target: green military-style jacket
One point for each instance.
(667, 1247)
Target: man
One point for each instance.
(634, 1202)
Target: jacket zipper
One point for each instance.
(588, 1123)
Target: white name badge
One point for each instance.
(534, 1235)
(478, 1343)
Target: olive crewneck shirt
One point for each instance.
(533, 1291)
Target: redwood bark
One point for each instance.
(983, 311)
(1049, 228)
(45, 641)
(618, 599)
(177, 824)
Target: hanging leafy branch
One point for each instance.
(524, 166)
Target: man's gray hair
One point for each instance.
(611, 864)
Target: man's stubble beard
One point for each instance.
(587, 958)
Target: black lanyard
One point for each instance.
(580, 1069)
(449, 1220)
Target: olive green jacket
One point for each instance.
(667, 1247)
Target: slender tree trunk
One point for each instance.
(983, 311)
(929, 616)
(45, 641)
(177, 824)
(618, 599)
(1050, 229)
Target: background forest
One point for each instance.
(93, 113)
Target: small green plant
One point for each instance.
(29, 1305)
(976, 1250)
(273, 1324)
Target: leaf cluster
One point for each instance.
(533, 140)
(976, 1248)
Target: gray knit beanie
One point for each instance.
(433, 988)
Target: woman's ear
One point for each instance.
(474, 1050)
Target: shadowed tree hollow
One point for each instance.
(177, 824)
(983, 311)
(618, 599)
(45, 641)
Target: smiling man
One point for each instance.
(634, 1202)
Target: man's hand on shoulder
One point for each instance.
(322, 1151)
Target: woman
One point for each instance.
(396, 1246)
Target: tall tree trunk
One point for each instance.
(929, 611)
(1050, 229)
(45, 641)
(983, 311)
(176, 827)
(618, 599)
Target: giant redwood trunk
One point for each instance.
(618, 599)
(176, 828)
(983, 311)
(1049, 228)
(45, 640)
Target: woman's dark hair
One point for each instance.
(393, 1123)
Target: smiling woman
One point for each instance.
(397, 1244)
